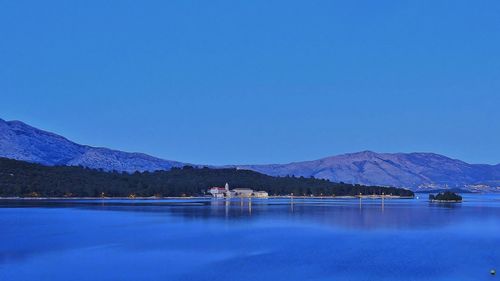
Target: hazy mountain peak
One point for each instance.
(23, 142)
(411, 170)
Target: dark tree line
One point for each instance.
(18, 178)
(445, 196)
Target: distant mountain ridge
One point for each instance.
(417, 171)
(22, 142)
(411, 170)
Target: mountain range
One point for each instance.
(416, 171)
(20, 141)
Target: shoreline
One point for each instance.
(446, 201)
(201, 197)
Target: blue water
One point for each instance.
(342, 239)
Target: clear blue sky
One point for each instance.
(257, 81)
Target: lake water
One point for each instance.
(267, 239)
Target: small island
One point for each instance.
(446, 196)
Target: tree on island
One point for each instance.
(445, 196)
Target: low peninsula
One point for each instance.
(29, 180)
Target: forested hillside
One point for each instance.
(19, 178)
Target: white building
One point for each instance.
(260, 194)
(243, 192)
(221, 192)
(217, 192)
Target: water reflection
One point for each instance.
(365, 214)
(336, 213)
(265, 239)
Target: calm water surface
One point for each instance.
(342, 239)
